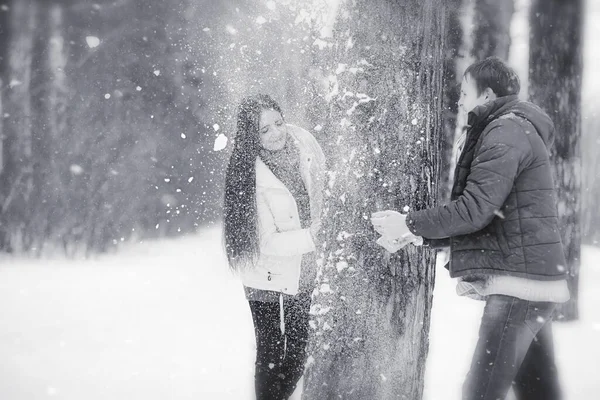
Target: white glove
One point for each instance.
(393, 245)
(390, 223)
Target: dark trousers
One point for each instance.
(514, 349)
(280, 357)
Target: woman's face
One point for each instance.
(272, 130)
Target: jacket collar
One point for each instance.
(266, 179)
(486, 113)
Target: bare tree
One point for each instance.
(556, 65)
(16, 182)
(455, 37)
(371, 310)
(491, 36)
(49, 105)
(590, 144)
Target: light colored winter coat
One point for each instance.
(282, 240)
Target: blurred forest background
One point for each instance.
(112, 110)
(115, 113)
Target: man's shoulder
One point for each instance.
(509, 129)
(508, 121)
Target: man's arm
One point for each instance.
(490, 181)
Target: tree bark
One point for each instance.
(371, 311)
(16, 181)
(556, 65)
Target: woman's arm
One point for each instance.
(272, 242)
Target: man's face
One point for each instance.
(469, 98)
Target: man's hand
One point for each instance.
(390, 224)
(393, 245)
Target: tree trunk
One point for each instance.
(1, 130)
(452, 79)
(371, 311)
(56, 64)
(16, 180)
(491, 36)
(590, 146)
(49, 92)
(555, 85)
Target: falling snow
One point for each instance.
(92, 41)
(220, 142)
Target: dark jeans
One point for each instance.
(280, 358)
(514, 348)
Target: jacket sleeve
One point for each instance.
(272, 242)
(491, 178)
(318, 151)
(436, 244)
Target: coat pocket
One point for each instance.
(273, 274)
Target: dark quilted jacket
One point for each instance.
(502, 219)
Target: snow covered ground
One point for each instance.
(166, 320)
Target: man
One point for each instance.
(502, 229)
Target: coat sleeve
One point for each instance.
(318, 151)
(272, 242)
(490, 181)
(436, 244)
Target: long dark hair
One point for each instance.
(240, 219)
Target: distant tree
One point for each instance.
(48, 92)
(556, 66)
(590, 145)
(454, 38)
(491, 35)
(16, 183)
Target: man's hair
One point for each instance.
(495, 74)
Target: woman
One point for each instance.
(273, 198)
